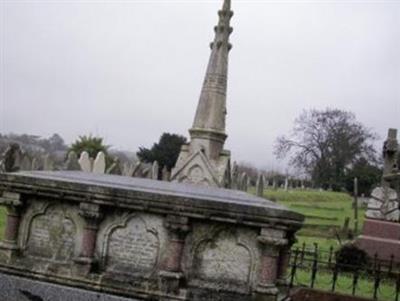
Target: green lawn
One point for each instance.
(325, 214)
(2, 221)
(365, 287)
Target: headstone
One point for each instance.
(381, 229)
(245, 181)
(260, 186)
(383, 205)
(154, 170)
(286, 186)
(136, 169)
(235, 177)
(99, 165)
(26, 163)
(127, 169)
(115, 168)
(84, 162)
(11, 159)
(48, 163)
(146, 173)
(72, 162)
(166, 174)
(34, 164)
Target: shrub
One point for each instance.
(350, 258)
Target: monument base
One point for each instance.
(381, 238)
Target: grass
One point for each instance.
(325, 213)
(365, 287)
(2, 221)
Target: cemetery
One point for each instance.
(90, 227)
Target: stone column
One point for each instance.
(271, 242)
(171, 273)
(92, 216)
(284, 260)
(13, 203)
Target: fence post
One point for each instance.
(377, 281)
(303, 251)
(335, 276)
(375, 261)
(294, 267)
(355, 281)
(391, 264)
(355, 206)
(330, 257)
(315, 265)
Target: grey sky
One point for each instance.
(130, 70)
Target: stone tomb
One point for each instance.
(140, 238)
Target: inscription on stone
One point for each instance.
(133, 248)
(223, 258)
(52, 236)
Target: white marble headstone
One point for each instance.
(99, 165)
(84, 162)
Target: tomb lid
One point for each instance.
(169, 197)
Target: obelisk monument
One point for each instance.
(204, 160)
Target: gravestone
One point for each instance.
(99, 165)
(84, 162)
(72, 162)
(140, 238)
(381, 230)
(48, 163)
(11, 159)
(26, 162)
(235, 177)
(115, 168)
(166, 174)
(155, 170)
(260, 186)
(137, 169)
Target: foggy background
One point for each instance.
(130, 70)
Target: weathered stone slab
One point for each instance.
(232, 204)
(14, 288)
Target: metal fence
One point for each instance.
(314, 268)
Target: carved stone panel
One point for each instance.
(223, 258)
(52, 235)
(133, 245)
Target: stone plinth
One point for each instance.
(382, 238)
(141, 238)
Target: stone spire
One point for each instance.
(204, 160)
(208, 131)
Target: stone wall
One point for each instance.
(143, 239)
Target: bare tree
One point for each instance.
(325, 143)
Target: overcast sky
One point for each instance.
(131, 70)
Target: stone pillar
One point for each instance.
(284, 260)
(92, 216)
(13, 203)
(171, 273)
(271, 242)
